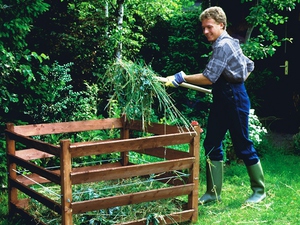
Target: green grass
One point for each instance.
(281, 206)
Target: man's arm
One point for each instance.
(197, 79)
(180, 77)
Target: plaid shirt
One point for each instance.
(228, 59)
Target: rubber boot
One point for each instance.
(214, 180)
(257, 183)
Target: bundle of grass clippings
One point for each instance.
(136, 89)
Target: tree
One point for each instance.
(84, 33)
(120, 26)
(16, 59)
(263, 17)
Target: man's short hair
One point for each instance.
(216, 13)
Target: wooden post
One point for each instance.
(194, 172)
(11, 168)
(66, 183)
(124, 135)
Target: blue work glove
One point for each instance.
(174, 81)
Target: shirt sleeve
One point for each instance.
(228, 59)
(216, 64)
(250, 65)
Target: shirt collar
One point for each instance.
(224, 33)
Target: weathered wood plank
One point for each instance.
(30, 154)
(131, 171)
(67, 176)
(66, 183)
(164, 153)
(134, 198)
(34, 168)
(22, 203)
(68, 127)
(31, 143)
(97, 167)
(33, 178)
(95, 148)
(11, 168)
(39, 179)
(165, 219)
(194, 150)
(156, 128)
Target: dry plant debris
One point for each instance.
(136, 89)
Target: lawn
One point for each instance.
(281, 206)
(282, 181)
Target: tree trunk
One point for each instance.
(120, 26)
(249, 32)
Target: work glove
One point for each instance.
(174, 81)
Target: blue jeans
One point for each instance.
(229, 111)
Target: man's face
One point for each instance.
(211, 29)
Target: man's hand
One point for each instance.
(174, 81)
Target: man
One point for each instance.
(226, 71)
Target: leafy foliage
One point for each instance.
(15, 64)
(51, 97)
(3, 167)
(265, 15)
(78, 32)
(16, 20)
(256, 84)
(178, 44)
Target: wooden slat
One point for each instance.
(66, 183)
(11, 167)
(125, 134)
(165, 219)
(34, 168)
(68, 127)
(30, 154)
(39, 179)
(95, 148)
(31, 143)
(97, 167)
(194, 174)
(154, 145)
(33, 178)
(164, 153)
(155, 128)
(131, 171)
(37, 196)
(133, 198)
(22, 203)
(42, 180)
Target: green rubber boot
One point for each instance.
(257, 183)
(214, 181)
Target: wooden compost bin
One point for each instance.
(67, 175)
